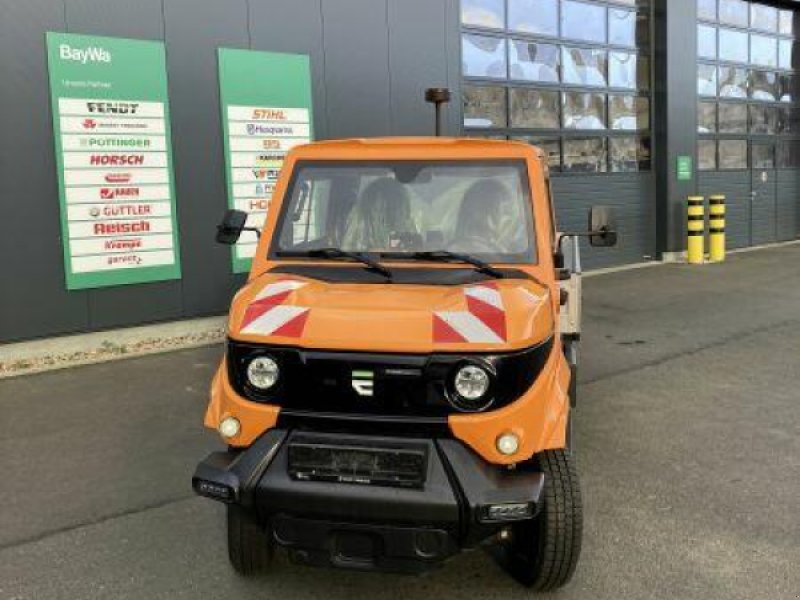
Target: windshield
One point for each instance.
(402, 208)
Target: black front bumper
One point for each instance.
(370, 527)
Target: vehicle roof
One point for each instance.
(417, 148)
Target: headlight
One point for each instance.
(471, 385)
(262, 373)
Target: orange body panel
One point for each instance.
(392, 318)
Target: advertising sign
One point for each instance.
(266, 111)
(113, 152)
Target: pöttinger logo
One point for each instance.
(363, 383)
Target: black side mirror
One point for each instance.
(602, 227)
(231, 227)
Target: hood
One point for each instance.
(494, 316)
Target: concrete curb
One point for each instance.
(49, 354)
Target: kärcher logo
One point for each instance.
(84, 55)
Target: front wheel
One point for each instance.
(544, 551)
(250, 549)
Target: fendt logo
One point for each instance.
(363, 383)
(84, 55)
(113, 108)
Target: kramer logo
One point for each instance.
(363, 383)
(84, 55)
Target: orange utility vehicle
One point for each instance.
(399, 369)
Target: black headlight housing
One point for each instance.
(420, 385)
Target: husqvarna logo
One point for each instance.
(363, 383)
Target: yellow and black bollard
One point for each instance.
(695, 228)
(716, 228)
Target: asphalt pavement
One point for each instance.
(688, 435)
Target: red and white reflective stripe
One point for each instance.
(267, 315)
(483, 322)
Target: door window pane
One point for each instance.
(706, 117)
(624, 70)
(788, 88)
(483, 56)
(533, 61)
(629, 154)
(733, 154)
(787, 22)
(707, 80)
(763, 17)
(627, 28)
(763, 50)
(533, 16)
(585, 155)
(583, 66)
(788, 120)
(707, 9)
(763, 119)
(534, 109)
(733, 82)
(483, 13)
(707, 155)
(785, 49)
(762, 156)
(732, 118)
(484, 106)
(789, 155)
(580, 21)
(629, 112)
(584, 110)
(733, 12)
(732, 45)
(707, 41)
(764, 86)
(551, 146)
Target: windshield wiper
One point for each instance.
(337, 253)
(446, 255)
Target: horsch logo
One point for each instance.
(93, 54)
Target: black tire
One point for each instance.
(544, 552)
(250, 549)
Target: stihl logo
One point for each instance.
(363, 383)
(84, 55)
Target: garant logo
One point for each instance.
(118, 177)
(111, 193)
(363, 383)
(84, 55)
(89, 124)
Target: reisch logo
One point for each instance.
(363, 383)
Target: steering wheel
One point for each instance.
(473, 244)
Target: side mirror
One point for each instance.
(602, 227)
(231, 227)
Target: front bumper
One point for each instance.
(371, 527)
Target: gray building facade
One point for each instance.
(615, 91)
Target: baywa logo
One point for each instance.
(364, 383)
(93, 54)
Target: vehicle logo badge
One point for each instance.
(363, 383)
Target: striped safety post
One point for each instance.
(695, 230)
(716, 228)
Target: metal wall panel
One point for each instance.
(33, 297)
(788, 205)
(296, 27)
(194, 31)
(142, 19)
(631, 195)
(357, 68)
(735, 185)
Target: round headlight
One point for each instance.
(471, 383)
(262, 372)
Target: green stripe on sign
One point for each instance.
(363, 375)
